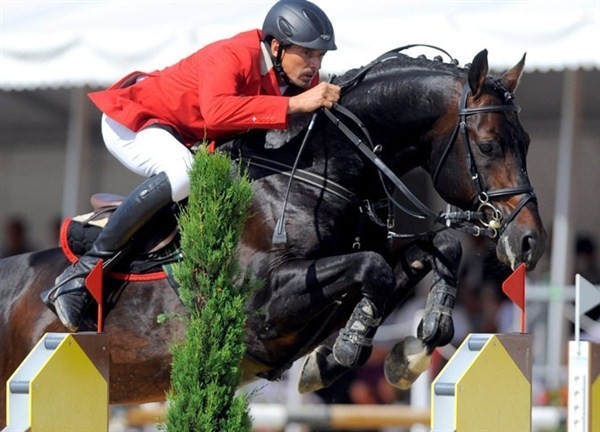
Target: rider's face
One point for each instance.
(299, 64)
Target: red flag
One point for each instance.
(514, 288)
(93, 283)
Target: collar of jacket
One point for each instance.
(270, 84)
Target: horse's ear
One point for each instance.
(478, 72)
(512, 77)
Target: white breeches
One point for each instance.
(149, 152)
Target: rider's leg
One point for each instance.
(152, 152)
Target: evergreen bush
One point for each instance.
(206, 368)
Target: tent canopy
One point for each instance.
(71, 44)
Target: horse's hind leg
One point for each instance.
(410, 357)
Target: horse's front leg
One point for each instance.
(304, 288)
(409, 358)
(351, 349)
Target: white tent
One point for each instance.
(78, 44)
(74, 43)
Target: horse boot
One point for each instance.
(354, 343)
(69, 298)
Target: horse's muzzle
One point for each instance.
(521, 244)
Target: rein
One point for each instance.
(465, 221)
(459, 220)
(279, 234)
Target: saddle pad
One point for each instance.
(77, 236)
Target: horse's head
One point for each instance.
(480, 164)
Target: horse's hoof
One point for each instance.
(310, 377)
(320, 370)
(405, 362)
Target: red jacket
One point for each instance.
(215, 93)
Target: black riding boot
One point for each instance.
(354, 343)
(69, 298)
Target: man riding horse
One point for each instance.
(256, 79)
(395, 114)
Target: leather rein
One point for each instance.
(487, 214)
(492, 219)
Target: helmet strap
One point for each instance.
(278, 66)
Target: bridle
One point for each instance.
(490, 217)
(496, 223)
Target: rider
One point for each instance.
(253, 80)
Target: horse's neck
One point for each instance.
(401, 113)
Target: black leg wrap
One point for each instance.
(354, 344)
(436, 327)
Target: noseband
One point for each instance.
(496, 223)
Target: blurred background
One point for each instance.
(52, 53)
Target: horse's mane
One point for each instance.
(392, 64)
(398, 62)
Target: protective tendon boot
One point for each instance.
(354, 344)
(69, 298)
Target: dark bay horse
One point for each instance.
(330, 250)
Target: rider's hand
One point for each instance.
(322, 95)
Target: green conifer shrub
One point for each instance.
(206, 366)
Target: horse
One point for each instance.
(318, 231)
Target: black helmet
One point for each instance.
(301, 23)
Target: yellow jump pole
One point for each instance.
(62, 385)
(486, 386)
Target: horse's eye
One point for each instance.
(486, 147)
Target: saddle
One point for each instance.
(150, 254)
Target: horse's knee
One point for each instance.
(375, 274)
(449, 247)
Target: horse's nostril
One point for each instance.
(528, 245)
(532, 248)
